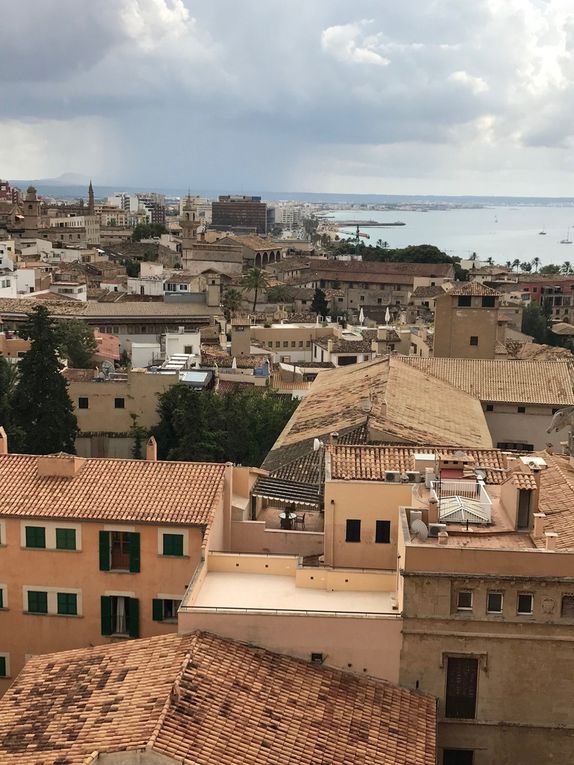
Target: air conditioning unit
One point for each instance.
(393, 476)
(435, 528)
(414, 476)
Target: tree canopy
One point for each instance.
(255, 280)
(76, 343)
(147, 231)
(320, 304)
(240, 426)
(40, 403)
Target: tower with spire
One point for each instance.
(91, 204)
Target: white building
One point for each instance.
(75, 290)
(201, 206)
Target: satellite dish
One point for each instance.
(419, 529)
(480, 474)
(317, 444)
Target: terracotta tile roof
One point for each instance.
(369, 462)
(503, 380)
(430, 291)
(92, 309)
(413, 408)
(524, 481)
(204, 700)
(557, 501)
(382, 267)
(342, 345)
(472, 288)
(112, 490)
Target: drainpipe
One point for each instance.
(227, 505)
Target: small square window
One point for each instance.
(488, 301)
(521, 410)
(525, 603)
(65, 539)
(37, 602)
(494, 603)
(119, 403)
(353, 530)
(35, 536)
(567, 610)
(67, 603)
(474, 339)
(464, 600)
(464, 301)
(489, 407)
(83, 402)
(173, 544)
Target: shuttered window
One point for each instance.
(65, 539)
(568, 606)
(173, 544)
(120, 616)
(35, 536)
(67, 603)
(383, 532)
(461, 682)
(119, 551)
(37, 602)
(353, 530)
(2, 666)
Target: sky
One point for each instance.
(362, 96)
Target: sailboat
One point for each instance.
(542, 233)
(567, 240)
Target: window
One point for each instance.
(457, 757)
(353, 530)
(461, 682)
(67, 603)
(3, 667)
(188, 349)
(37, 602)
(300, 343)
(119, 403)
(83, 402)
(464, 600)
(119, 551)
(488, 301)
(120, 615)
(165, 609)
(521, 409)
(524, 603)
(277, 343)
(494, 603)
(524, 501)
(35, 536)
(65, 539)
(173, 544)
(474, 339)
(2, 598)
(567, 610)
(285, 343)
(490, 408)
(464, 301)
(383, 532)
(293, 344)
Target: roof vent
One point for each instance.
(59, 465)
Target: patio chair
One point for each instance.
(300, 521)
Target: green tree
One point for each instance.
(76, 343)
(281, 293)
(8, 378)
(139, 435)
(320, 305)
(41, 405)
(551, 268)
(535, 323)
(310, 226)
(526, 267)
(255, 280)
(231, 302)
(516, 264)
(536, 263)
(566, 267)
(147, 231)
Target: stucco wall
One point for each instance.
(252, 537)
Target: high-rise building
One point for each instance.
(240, 212)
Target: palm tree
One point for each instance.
(526, 266)
(536, 263)
(231, 302)
(516, 264)
(508, 264)
(490, 261)
(255, 280)
(566, 267)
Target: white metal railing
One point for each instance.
(474, 490)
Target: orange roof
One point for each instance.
(111, 490)
(557, 501)
(205, 700)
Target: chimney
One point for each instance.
(551, 539)
(330, 345)
(443, 537)
(433, 510)
(333, 437)
(151, 450)
(539, 523)
(59, 465)
(3, 441)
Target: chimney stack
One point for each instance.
(433, 510)
(539, 523)
(3, 441)
(443, 537)
(551, 539)
(151, 450)
(330, 345)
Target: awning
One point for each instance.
(280, 490)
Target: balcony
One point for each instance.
(461, 501)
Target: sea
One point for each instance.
(501, 233)
(501, 228)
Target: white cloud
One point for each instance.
(476, 84)
(348, 42)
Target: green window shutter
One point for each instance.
(134, 553)
(68, 603)
(37, 602)
(173, 544)
(157, 610)
(104, 551)
(65, 539)
(2, 666)
(134, 617)
(35, 536)
(106, 615)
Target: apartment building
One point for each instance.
(97, 550)
(239, 212)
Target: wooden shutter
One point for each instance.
(133, 617)
(106, 615)
(157, 610)
(134, 553)
(104, 550)
(461, 680)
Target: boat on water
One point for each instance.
(542, 233)
(567, 240)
